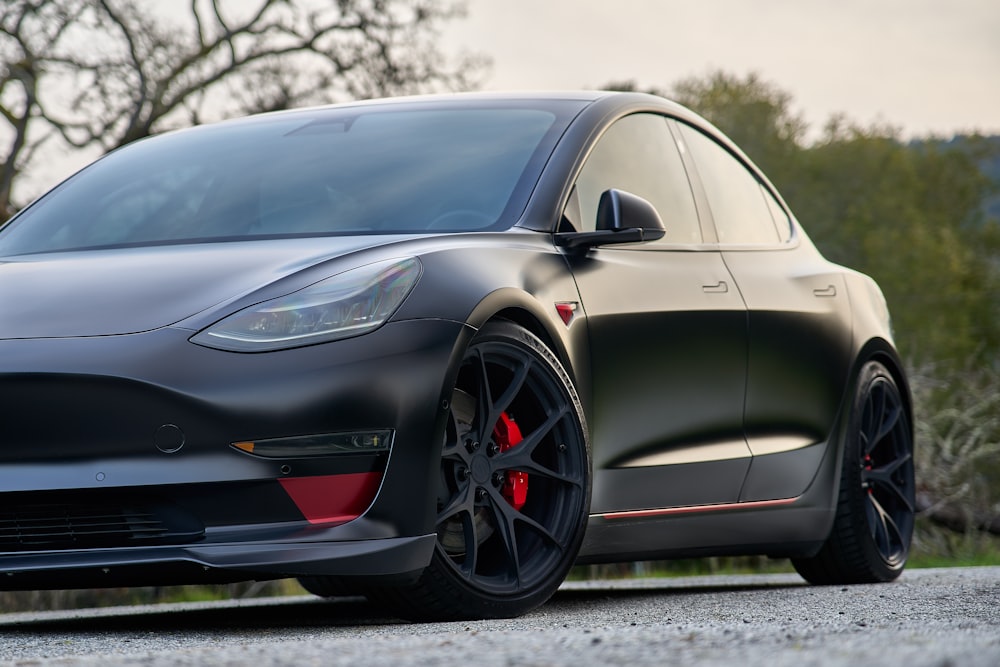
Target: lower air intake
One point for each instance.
(70, 526)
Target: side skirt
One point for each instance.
(784, 527)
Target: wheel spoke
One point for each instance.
(871, 514)
(879, 397)
(886, 532)
(521, 457)
(886, 426)
(864, 441)
(505, 525)
(454, 452)
(488, 408)
(507, 518)
(484, 397)
(899, 543)
(468, 565)
(868, 424)
(884, 478)
(523, 463)
(879, 530)
(460, 503)
(462, 508)
(512, 515)
(872, 420)
(505, 399)
(530, 442)
(881, 415)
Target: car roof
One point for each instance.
(584, 97)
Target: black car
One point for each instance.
(437, 350)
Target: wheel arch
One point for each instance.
(523, 309)
(528, 320)
(882, 351)
(455, 585)
(874, 349)
(846, 555)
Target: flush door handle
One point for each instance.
(718, 288)
(828, 291)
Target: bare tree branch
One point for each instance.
(126, 30)
(27, 30)
(958, 447)
(107, 72)
(956, 518)
(196, 15)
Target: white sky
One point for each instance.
(926, 66)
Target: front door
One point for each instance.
(668, 334)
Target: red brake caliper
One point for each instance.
(515, 487)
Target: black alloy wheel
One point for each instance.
(514, 485)
(874, 520)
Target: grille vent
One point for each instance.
(72, 526)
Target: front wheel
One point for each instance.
(513, 488)
(874, 519)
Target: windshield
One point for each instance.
(355, 170)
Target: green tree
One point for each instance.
(755, 114)
(909, 215)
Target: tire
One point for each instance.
(514, 488)
(874, 518)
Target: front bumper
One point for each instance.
(224, 562)
(81, 423)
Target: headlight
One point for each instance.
(348, 304)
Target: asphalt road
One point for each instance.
(943, 617)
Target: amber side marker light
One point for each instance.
(327, 444)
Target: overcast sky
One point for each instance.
(926, 66)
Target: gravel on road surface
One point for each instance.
(934, 618)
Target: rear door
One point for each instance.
(799, 322)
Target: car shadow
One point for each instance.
(258, 614)
(303, 613)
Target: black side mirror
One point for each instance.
(622, 217)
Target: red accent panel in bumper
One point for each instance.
(333, 499)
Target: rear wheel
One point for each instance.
(513, 488)
(874, 520)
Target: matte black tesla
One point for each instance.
(438, 350)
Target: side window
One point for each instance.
(739, 204)
(781, 220)
(637, 154)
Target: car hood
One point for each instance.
(121, 291)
